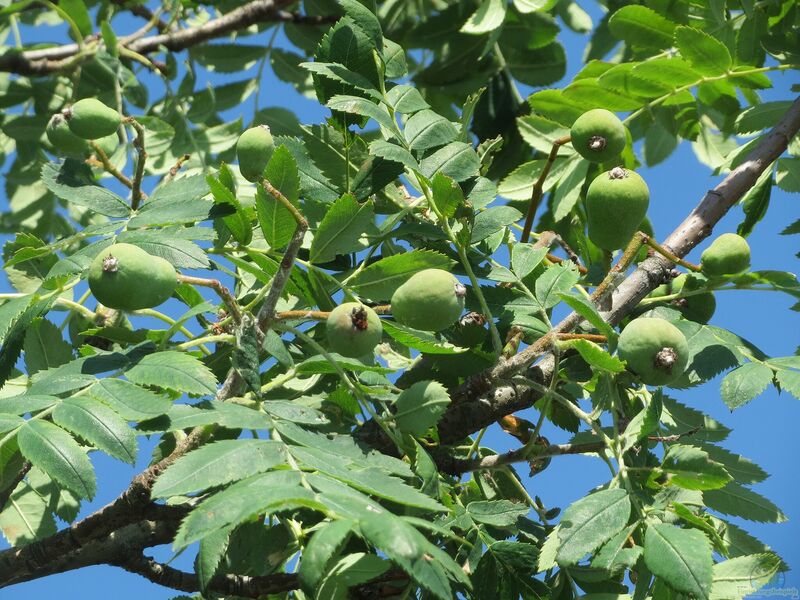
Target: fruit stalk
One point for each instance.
(223, 292)
(538, 187)
(667, 254)
(109, 168)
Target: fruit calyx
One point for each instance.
(597, 143)
(358, 316)
(665, 359)
(617, 173)
(110, 264)
(460, 289)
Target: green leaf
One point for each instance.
(174, 371)
(237, 223)
(227, 58)
(659, 143)
(491, 220)
(320, 550)
(342, 228)
(219, 463)
(788, 174)
(424, 341)
(755, 203)
(612, 553)
(590, 522)
(641, 26)
(56, 453)
(499, 513)
(691, 468)
(407, 547)
(130, 401)
(671, 72)
(296, 413)
(540, 133)
(406, 99)
(681, 557)
(555, 281)
(262, 494)
(364, 108)
(379, 280)
(525, 258)
(568, 190)
(595, 355)
(365, 19)
(761, 116)
(489, 15)
(740, 468)
(44, 347)
(212, 549)
(519, 183)
(744, 383)
(276, 221)
(370, 480)
(427, 129)
(744, 575)
(447, 195)
(176, 202)
(421, 406)
(708, 55)
(393, 152)
(183, 254)
(321, 365)
(739, 501)
(340, 73)
(457, 160)
(26, 517)
(73, 182)
(589, 312)
(97, 424)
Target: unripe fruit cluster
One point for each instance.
(125, 277)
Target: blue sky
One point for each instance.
(764, 430)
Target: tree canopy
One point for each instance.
(483, 235)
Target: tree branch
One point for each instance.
(488, 397)
(49, 60)
(228, 585)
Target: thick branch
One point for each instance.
(488, 397)
(228, 585)
(49, 60)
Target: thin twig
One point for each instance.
(106, 164)
(136, 188)
(592, 337)
(665, 252)
(221, 290)
(618, 269)
(538, 187)
(173, 170)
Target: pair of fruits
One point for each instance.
(254, 149)
(617, 199)
(89, 119)
(125, 277)
(430, 300)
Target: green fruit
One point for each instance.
(125, 277)
(617, 202)
(699, 308)
(108, 144)
(65, 143)
(654, 349)
(254, 149)
(353, 329)
(727, 255)
(430, 300)
(91, 119)
(470, 331)
(598, 135)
